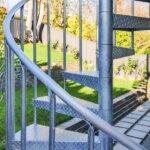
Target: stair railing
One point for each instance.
(12, 48)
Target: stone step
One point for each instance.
(38, 139)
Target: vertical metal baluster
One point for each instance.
(49, 72)
(23, 108)
(132, 32)
(23, 85)
(7, 97)
(52, 121)
(64, 39)
(48, 38)
(80, 35)
(97, 24)
(10, 103)
(9, 100)
(9, 63)
(22, 27)
(90, 137)
(12, 86)
(34, 54)
(115, 11)
(105, 69)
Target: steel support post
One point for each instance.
(105, 67)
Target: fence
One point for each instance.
(89, 49)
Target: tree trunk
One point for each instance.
(41, 16)
(148, 76)
(29, 32)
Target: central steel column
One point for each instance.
(105, 67)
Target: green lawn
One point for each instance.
(56, 55)
(120, 87)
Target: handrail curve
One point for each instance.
(60, 92)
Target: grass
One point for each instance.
(120, 87)
(56, 55)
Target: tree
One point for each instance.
(56, 16)
(29, 32)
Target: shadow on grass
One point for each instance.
(73, 88)
(89, 94)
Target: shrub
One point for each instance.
(55, 45)
(131, 65)
(75, 53)
(88, 66)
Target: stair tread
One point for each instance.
(86, 78)
(148, 1)
(61, 107)
(130, 23)
(59, 101)
(41, 133)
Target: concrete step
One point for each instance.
(38, 139)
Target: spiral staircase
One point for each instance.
(37, 137)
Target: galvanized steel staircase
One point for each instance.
(37, 137)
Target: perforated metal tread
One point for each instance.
(119, 52)
(61, 107)
(148, 1)
(120, 109)
(38, 137)
(130, 23)
(86, 78)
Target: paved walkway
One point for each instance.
(136, 125)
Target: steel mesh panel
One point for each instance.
(61, 107)
(144, 1)
(37, 139)
(119, 52)
(89, 79)
(128, 23)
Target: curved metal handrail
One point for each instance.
(60, 92)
